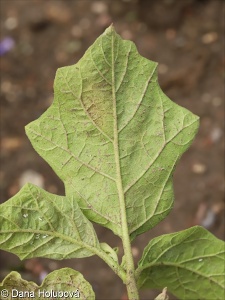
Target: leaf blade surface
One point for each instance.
(190, 262)
(35, 223)
(112, 133)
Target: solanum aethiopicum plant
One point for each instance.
(114, 139)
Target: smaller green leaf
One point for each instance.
(35, 223)
(60, 284)
(163, 295)
(14, 281)
(190, 263)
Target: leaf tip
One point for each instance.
(110, 29)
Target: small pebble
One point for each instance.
(99, 7)
(209, 219)
(32, 177)
(11, 23)
(216, 134)
(76, 31)
(104, 20)
(6, 86)
(198, 168)
(218, 207)
(127, 34)
(11, 143)
(59, 13)
(216, 101)
(209, 37)
(163, 69)
(135, 251)
(52, 189)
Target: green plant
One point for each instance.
(114, 139)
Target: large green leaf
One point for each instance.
(191, 263)
(35, 223)
(113, 136)
(60, 284)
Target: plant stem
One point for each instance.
(131, 284)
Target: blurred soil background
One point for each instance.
(185, 37)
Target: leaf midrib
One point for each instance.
(119, 184)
